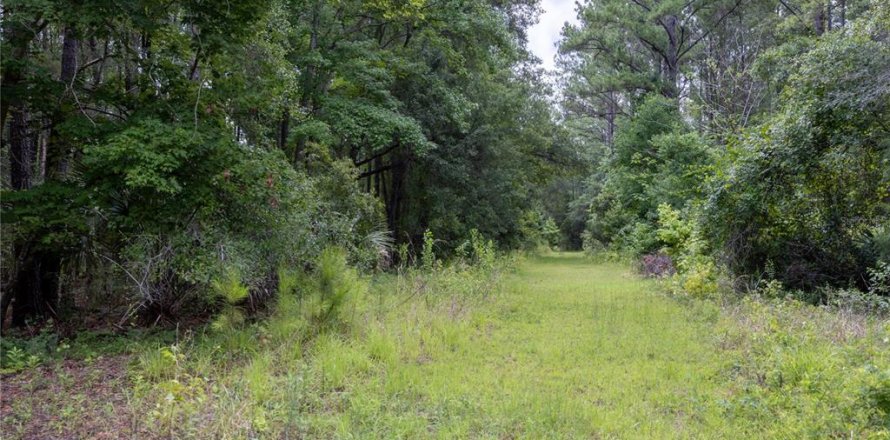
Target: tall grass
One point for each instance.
(564, 349)
(330, 328)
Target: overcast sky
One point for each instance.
(543, 36)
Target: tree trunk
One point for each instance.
(5, 301)
(58, 152)
(17, 37)
(21, 152)
(843, 13)
(394, 204)
(378, 163)
(611, 114)
(36, 288)
(819, 21)
(69, 57)
(42, 146)
(36, 283)
(672, 57)
(284, 130)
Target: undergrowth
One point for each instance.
(330, 327)
(561, 348)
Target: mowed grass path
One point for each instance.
(570, 349)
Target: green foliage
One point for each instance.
(538, 230)
(54, 215)
(673, 231)
(428, 255)
(484, 254)
(256, 135)
(229, 288)
(154, 157)
(879, 279)
(15, 359)
(807, 368)
(230, 291)
(804, 188)
(656, 160)
(18, 354)
(774, 166)
(879, 242)
(330, 301)
(159, 364)
(376, 128)
(696, 272)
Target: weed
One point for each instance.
(159, 364)
(15, 359)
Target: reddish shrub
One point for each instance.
(657, 265)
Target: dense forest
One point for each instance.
(748, 140)
(152, 146)
(246, 167)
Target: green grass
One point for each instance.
(561, 348)
(570, 349)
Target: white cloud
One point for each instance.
(543, 36)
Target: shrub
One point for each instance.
(879, 279)
(21, 354)
(657, 265)
(699, 278)
(538, 230)
(334, 290)
(673, 231)
(428, 255)
(856, 301)
(590, 244)
(230, 292)
(484, 254)
(807, 188)
(696, 272)
(637, 239)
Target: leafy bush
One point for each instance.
(428, 254)
(856, 301)
(230, 292)
(16, 359)
(879, 279)
(699, 277)
(477, 251)
(538, 230)
(805, 189)
(696, 271)
(637, 239)
(878, 240)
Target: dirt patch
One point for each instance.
(69, 400)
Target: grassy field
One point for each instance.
(560, 348)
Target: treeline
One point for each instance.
(152, 147)
(741, 142)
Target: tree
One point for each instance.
(809, 186)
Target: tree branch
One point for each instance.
(374, 171)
